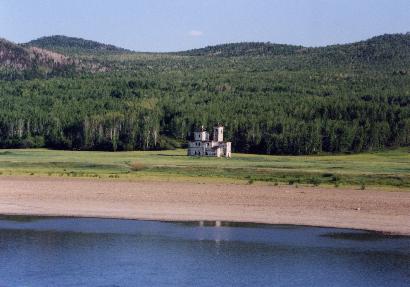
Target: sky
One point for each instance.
(174, 25)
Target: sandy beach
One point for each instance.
(385, 211)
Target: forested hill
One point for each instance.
(272, 99)
(389, 50)
(388, 45)
(72, 45)
(386, 51)
(244, 49)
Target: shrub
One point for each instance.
(315, 181)
(335, 178)
(327, 174)
(136, 166)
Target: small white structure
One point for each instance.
(203, 146)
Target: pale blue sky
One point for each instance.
(170, 25)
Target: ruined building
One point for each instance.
(202, 145)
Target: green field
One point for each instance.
(385, 169)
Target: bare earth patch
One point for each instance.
(348, 208)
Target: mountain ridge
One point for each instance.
(268, 48)
(56, 54)
(246, 48)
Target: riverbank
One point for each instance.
(388, 169)
(384, 211)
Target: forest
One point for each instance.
(272, 99)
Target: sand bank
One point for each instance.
(348, 208)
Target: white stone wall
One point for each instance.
(201, 136)
(202, 148)
(228, 152)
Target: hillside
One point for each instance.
(272, 99)
(72, 45)
(19, 58)
(31, 61)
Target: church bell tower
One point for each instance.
(218, 133)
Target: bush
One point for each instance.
(315, 181)
(327, 174)
(335, 178)
(137, 166)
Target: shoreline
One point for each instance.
(207, 223)
(386, 212)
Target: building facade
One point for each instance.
(202, 145)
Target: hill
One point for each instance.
(18, 57)
(392, 50)
(71, 45)
(385, 50)
(272, 99)
(31, 61)
(244, 49)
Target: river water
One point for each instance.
(106, 252)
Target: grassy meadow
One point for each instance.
(385, 169)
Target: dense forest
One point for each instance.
(273, 99)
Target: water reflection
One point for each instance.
(362, 236)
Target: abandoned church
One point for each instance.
(203, 146)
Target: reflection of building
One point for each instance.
(203, 146)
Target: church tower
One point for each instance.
(218, 133)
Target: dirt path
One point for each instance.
(361, 209)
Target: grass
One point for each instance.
(386, 168)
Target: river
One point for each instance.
(111, 252)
